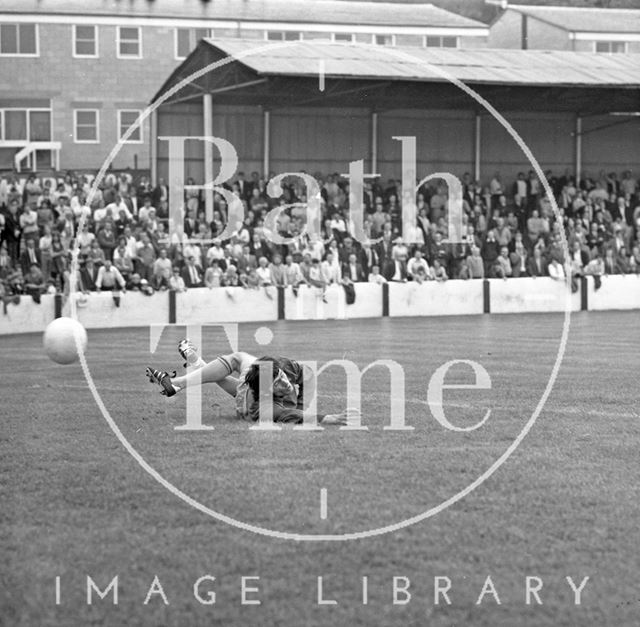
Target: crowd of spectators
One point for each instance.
(509, 230)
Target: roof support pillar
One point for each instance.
(153, 147)
(374, 141)
(578, 147)
(476, 147)
(207, 127)
(266, 124)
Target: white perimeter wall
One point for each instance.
(405, 299)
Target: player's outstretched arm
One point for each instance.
(346, 417)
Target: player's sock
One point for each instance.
(213, 372)
(188, 351)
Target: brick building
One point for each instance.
(75, 75)
(580, 29)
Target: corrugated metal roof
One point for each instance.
(510, 67)
(585, 19)
(299, 11)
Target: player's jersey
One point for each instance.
(286, 408)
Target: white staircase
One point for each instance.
(28, 150)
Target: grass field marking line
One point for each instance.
(443, 73)
(323, 503)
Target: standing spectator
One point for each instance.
(490, 252)
(106, 237)
(58, 259)
(145, 256)
(277, 270)
(12, 232)
(162, 271)
(475, 264)
(29, 224)
(30, 256)
(45, 252)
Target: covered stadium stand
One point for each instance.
(317, 105)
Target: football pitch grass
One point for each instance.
(564, 504)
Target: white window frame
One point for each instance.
(334, 38)
(21, 54)
(137, 112)
(609, 43)
(192, 41)
(375, 43)
(119, 41)
(75, 126)
(441, 47)
(28, 111)
(75, 40)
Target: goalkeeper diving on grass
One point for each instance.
(238, 374)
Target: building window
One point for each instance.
(383, 40)
(129, 42)
(85, 41)
(86, 126)
(348, 37)
(280, 35)
(187, 39)
(19, 40)
(441, 41)
(611, 47)
(25, 125)
(126, 119)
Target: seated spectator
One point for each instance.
(176, 282)
(192, 273)
(34, 282)
(352, 270)
(537, 266)
(137, 284)
(331, 269)
(123, 262)
(251, 280)
(416, 262)
(518, 260)
(611, 264)
(438, 271)
(375, 276)
(213, 275)
(231, 278)
(556, 270)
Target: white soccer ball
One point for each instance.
(61, 339)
